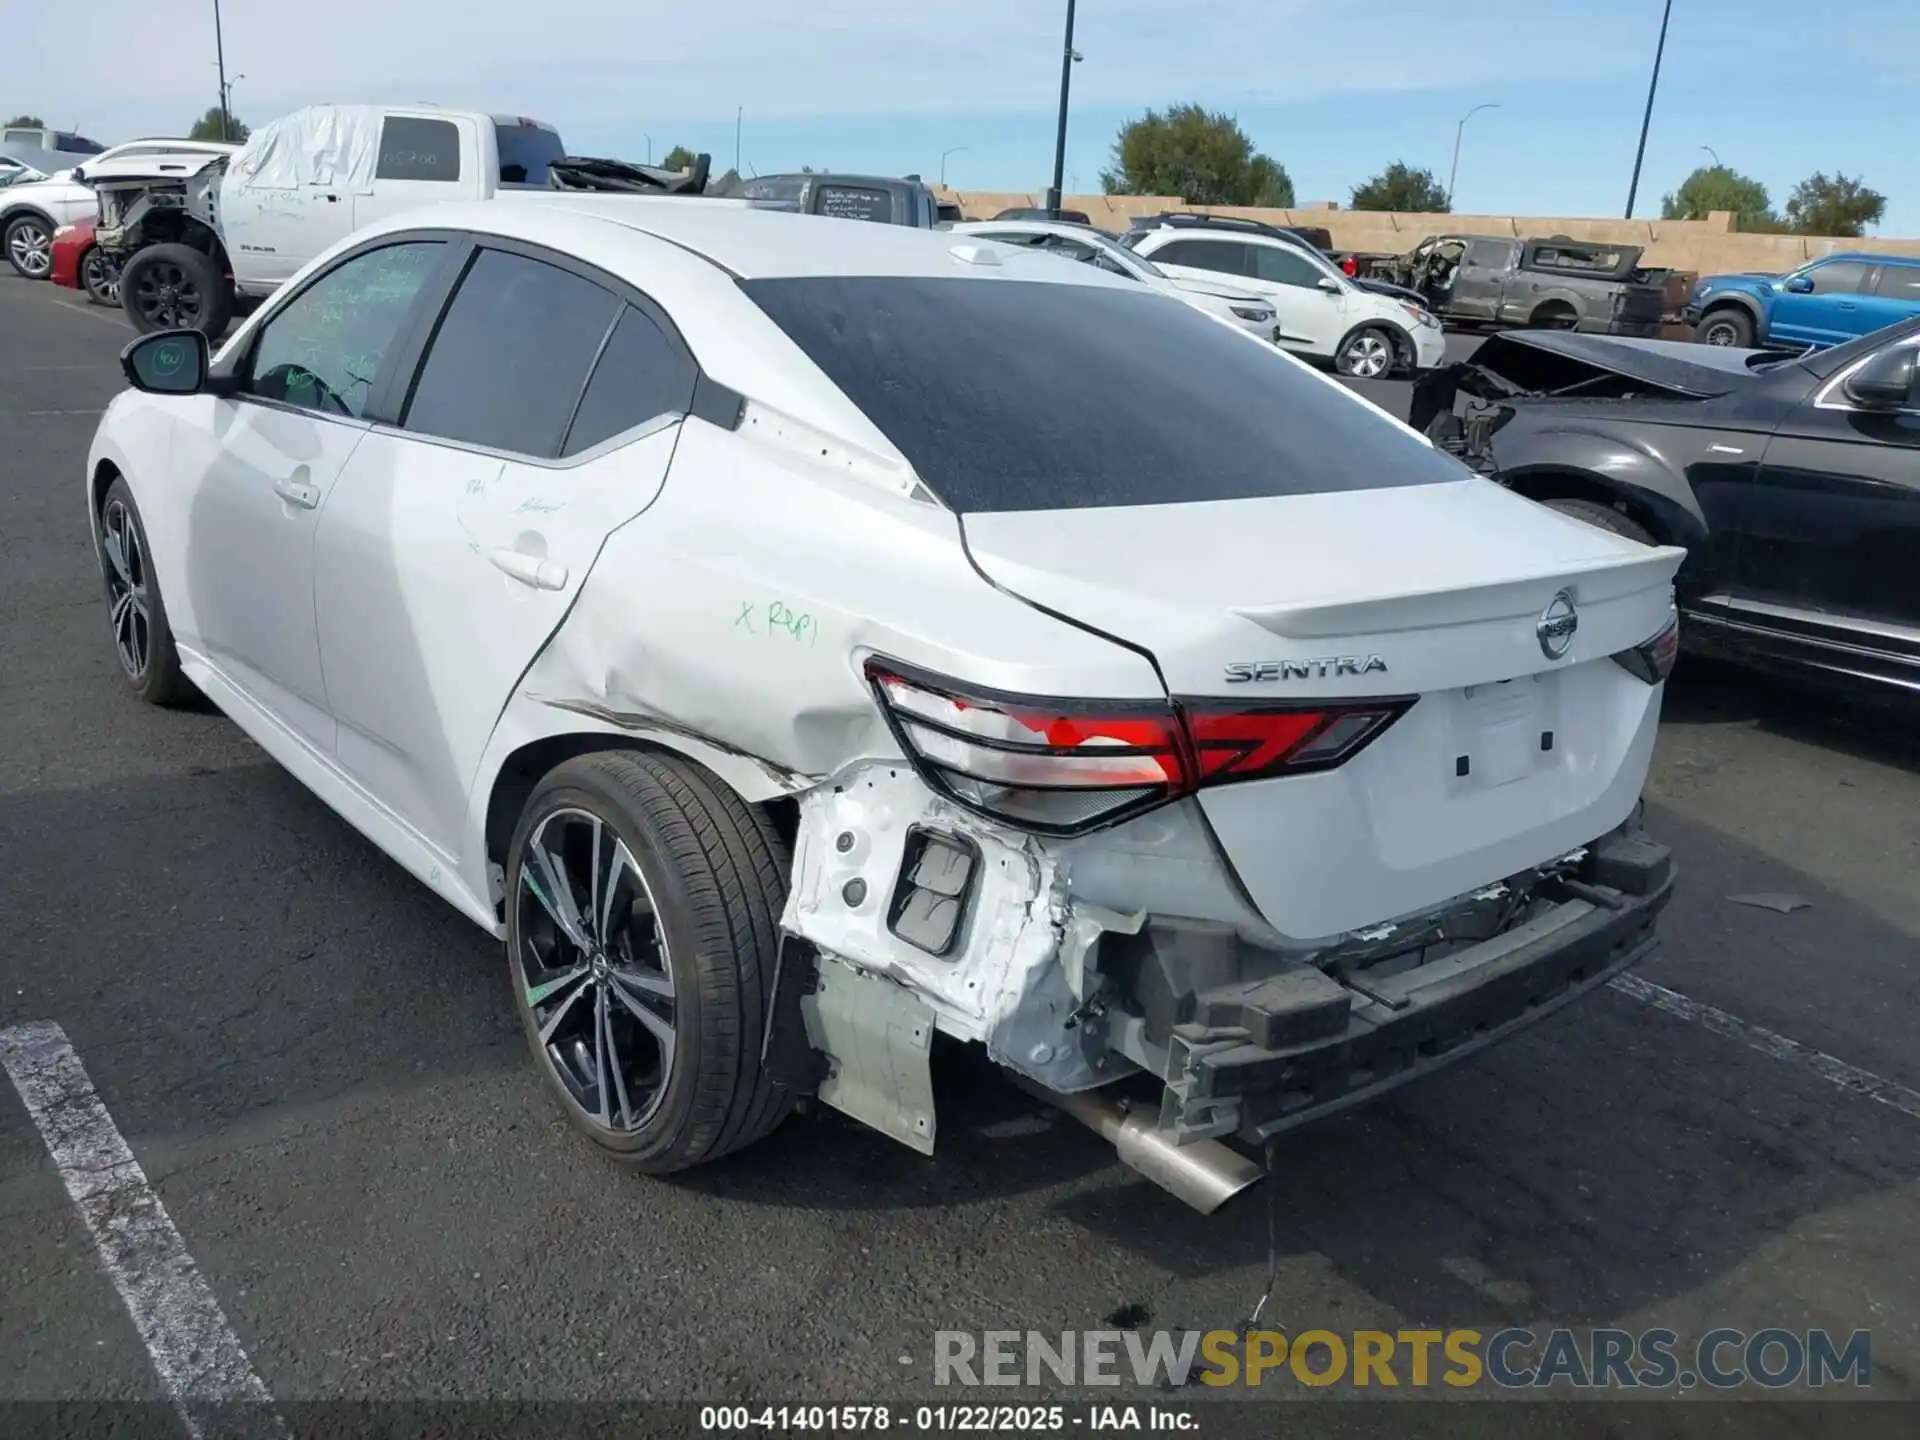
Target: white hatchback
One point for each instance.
(1322, 313)
(794, 639)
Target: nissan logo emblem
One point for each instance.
(1556, 625)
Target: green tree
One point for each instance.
(1837, 206)
(1720, 187)
(678, 158)
(30, 122)
(1399, 187)
(207, 127)
(1203, 157)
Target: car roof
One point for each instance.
(749, 242)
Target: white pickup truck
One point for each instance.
(191, 246)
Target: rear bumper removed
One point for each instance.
(906, 918)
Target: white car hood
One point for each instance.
(170, 165)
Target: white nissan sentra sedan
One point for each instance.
(794, 638)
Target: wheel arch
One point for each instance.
(1737, 300)
(1665, 519)
(523, 764)
(7, 217)
(1554, 301)
(1403, 346)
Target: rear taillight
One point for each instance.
(1062, 767)
(1652, 660)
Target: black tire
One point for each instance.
(1554, 315)
(1729, 326)
(715, 873)
(1603, 516)
(99, 277)
(136, 611)
(1369, 353)
(28, 240)
(176, 287)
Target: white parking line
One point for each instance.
(195, 1353)
(1834, 1072)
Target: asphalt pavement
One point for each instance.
(317, 1066)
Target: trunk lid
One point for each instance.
(1434, 591)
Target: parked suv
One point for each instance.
(884, 199)
(1826, 302)
(1320, 312)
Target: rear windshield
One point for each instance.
(1016, 395)
(853, 202)
(525, 152)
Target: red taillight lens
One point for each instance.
(1652, 660)
(1066, 766)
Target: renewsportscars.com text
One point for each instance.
(1585, 1359)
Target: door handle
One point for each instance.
(530, 569)
(296, 492)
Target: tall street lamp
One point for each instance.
(1458, 131)
(220, 60)
(1068, 56)
(943, 160)
(1716, 156)
(1646, 120)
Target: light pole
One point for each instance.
(737, 112)
(1458, 131)
(1716, 156)
(220, 60)
(1646, 120)
(1068, 56)
(649, 139)
(943, 161)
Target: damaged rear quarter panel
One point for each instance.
(729, 620)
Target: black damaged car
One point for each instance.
(1792, 482)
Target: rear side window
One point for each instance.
(1901, 282)
(1229, 257)
(641, 376)
(1287, 267)
(1841, 277)
(1025, 395)
(511, 356)
(412, 148)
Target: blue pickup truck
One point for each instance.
(1825, 302)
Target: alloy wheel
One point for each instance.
(592, 962)
(168, 298)
(100, 277)
(1721, 334)
(127, 598)
(1368, 357)
(31, 247)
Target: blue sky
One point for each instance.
(1333, 89)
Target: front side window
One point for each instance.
(326, 348)
(508, 363)
(1026, 395)
(1837, 277)
(413, 148)
(1287, 267)
(1488, 254)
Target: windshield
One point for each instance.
(1030, 395)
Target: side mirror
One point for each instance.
(1885, 382)
(1798, 285)
(1328, 284)
(169, 362)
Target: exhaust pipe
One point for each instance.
(1203, 1173)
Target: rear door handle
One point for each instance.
(530, 569)
(296, 492)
